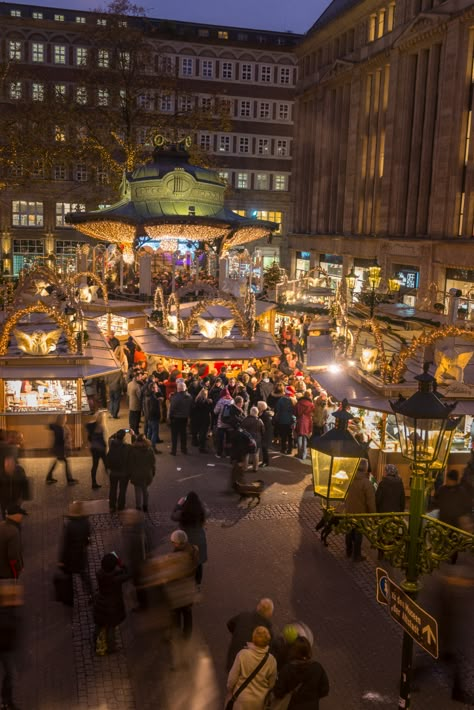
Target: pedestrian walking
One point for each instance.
(73, 557)
(191, 513)
(118, 466)
(115, 384)
(455, 504)
(360, 499)
(255, 427)
(180, 409)
(154, 403)
(253, 673)
(181, 591)
(267, 436)
(11, 625)
(242, 625)
(201, 416)
(109, 606)
(97, 436)
(14, 484)
(302, 681)
(62, 445)
(142, 469)
(390, 492)
(135, 550)
(304, 423)
(134, 393)
(11, 548)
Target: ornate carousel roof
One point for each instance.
(169, 198)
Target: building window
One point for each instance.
(59, 91)
(81, 95)
(59, 172)
(81, 56)
(80, 173)
(380, 23)
(246, 73)
(81, 20)
(266, 74)
(14, 51)
(263, 146)
(262, 181)
(102, 22)
(37, 15)
(145, 101)
(59, 134)
(282, 147)
(227, 70)
(203, 33)
(17, 170)
(186, 104)
(102, 175)
(284, 75)
(226, 107)
(280, 182)
(243, 181)
(264, 110)
(125, 61)
(102, 97)
(24, 253)
(63, 208)
(15, 90)
(59, 54)
(166, 102)
(103, 59)
(224, 144)
(37, 170)
(122, 23)
(81, 133)
(37, 91)
(59, 18)
(37, 52)
(371, 30)
(245, 109)
(284, 112)
(187, 66)
(207, 68)
(166, 65)
(242, 37)
(390, 16)
(222, 34)
(27, 214)
(244, 144)
(206, 103)
(205, 141)
(15, 13)
(225, 176)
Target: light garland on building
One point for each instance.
(114, 232)
(37, 307)
(193, 232)
(245, 235)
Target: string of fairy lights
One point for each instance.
(25, 312)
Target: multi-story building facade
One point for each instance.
(384, 162)
(254, 72)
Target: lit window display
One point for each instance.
(112, 322)
(43, 396)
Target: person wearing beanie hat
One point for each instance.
(390, 493)
(109, 607)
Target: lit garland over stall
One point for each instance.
(37, 307)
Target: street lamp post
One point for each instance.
(351, 279)
(375, 277)
(413, 542)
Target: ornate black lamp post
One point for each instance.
(351, 279)
(375, 277)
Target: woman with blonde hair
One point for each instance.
(253, 673)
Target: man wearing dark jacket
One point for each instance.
(390, 493)
(76, 538)
(453, 501)
(360, 499)
(180, 409)
(242, 626)
(117, 462)
(11, 552)
(109, 606)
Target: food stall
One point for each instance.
(118, 317)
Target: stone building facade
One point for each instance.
(384, 161)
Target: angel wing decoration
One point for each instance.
(173, 324)
(216, 328)
(451, 364)
(38, 343)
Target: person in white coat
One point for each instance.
(253, 696)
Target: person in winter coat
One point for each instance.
(11, 548)
(242, 625)
(134, 394)
(223, 428)
(62, 445)
(254, 694)
(118, 466)
(191, 515)
(256, 429)
(201, 415)
(109, 607)
(285, 417)
(14, 487)
(11, 626)
(267, 436)
(142, 470)
(181, 591)
(75, 542)
(304, 423)
(180, 410)
(115, 384)
(154, 406)
(390, 492)
(320, 415)
(360, 499)
(453, 501)
(97, 435)
(264, 387)
(303, 678)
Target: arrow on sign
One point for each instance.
(428, 632)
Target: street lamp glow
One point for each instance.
(375, 276)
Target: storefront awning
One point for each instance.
(341, 386)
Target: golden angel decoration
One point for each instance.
(451, 364)
(38, 342)
(216, 328)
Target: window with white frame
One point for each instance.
(37, 15)
(242, 37)
(226, 106)
(24, 253)
(203, 33)
(103, 58)
(101, 21)
(15, 13)
(102, 176)
(37, 91)
(63, 208)
(207, 68)
(80, 19)
(27, 214)
(16, 90)
(80, 56)
(263, 146)
(227, 69)
(59, 54)
(59, 134)
(206, 103)
(59, 91)
(59, 18)
(167, 65)
(145, 101)
(17, 170)
(186, 103)
(243, 181)
(280, 182)
(264, 109)
(205, 141)
(166, 102)
(125, 60)
(59, 172)
(225, 176)
(81, 95)
(187, 66)
(37, 52)
(266, 73)
(103, 97)
(224, 144)
(37, 171)
(144, 137)
(122, 23)
(282, 148)
(262, 181)
(66, 248)
(15, 51)
(271, 216)
(244, 144)
(80, 172)
(245, 109)
(284, 112)
(246, 72)
(284, 75)
(81, 133)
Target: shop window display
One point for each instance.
(43, 396)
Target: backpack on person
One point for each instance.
(227, 416)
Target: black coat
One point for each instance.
(313, 682)
(142, 464)
(117, 460)
(454, 502)
(14, 488)
(242, 627)
(10, 628)
(267, 420)
(109, 607)
(390, 495)
(76, 537)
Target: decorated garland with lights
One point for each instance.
(37, 307)
(190, 322)
(88, 274)
(159, 306)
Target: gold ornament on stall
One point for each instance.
(89, 275)
(38, 342)
(37, 307)
(215, 329)
(202, 306)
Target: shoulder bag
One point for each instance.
(247, 681)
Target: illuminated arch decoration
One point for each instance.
(199, 286)
(37, 307)
(427, 338)
(173, 300)
(322, 272)
(373, 326)
(95, 279)
(190, 322)
(28, 278)
(159, 305)
(250, 313)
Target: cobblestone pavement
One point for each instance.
(271, 550)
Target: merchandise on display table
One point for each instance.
(113, 322)
(43, 396)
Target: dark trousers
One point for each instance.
(353, 543)
(114, 404)
(265, 456)
(6, 660)
(66, 466)
(198, 575)
(178, 429)
(153, 431)
(286, 439)
(222, 440)
(202, 436)
(134, 420)
(121, 484)
(97, 455)
(183, 620)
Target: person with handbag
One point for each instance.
(253, 674)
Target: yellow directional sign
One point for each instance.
(422, 627)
